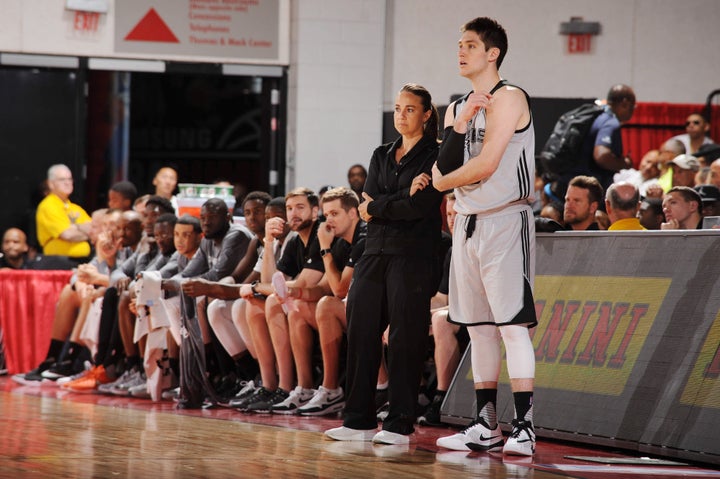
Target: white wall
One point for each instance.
(652, 45)
(336, 88)
(348, 58)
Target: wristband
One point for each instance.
(452, 151)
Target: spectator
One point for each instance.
(710, 195)
(357, 174)
(703, 176)
(62, 226)
(651, 213)
(715, 173)
(582, 200)
(602, 220)
(14, 249)
(682, 207)
(647, 174)
(668, 151)
(122, 196)
(165, 181)
(707, 154)
(685, 167)
(602, 149)
(622, 202)
(695, 136)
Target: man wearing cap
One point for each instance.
(684, 169)
(707, 154)
(710, 195)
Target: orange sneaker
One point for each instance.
(90, 381)
(88, 373)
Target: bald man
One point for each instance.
(622, 202)
(14, 249)
(715, 173)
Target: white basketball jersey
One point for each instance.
(514, 179)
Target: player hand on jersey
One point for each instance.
(362, 209)
(419, 183)
(474, 103)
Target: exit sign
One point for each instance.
(579, 43)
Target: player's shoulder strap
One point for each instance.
(497, 86)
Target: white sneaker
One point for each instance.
(325, 401)
(171, 394)
(343, 433)
(392, 438)
(297, 397)
(139, 391)
(107, 388)
(478, 436)
(522, 439)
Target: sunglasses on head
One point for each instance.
(692, 122)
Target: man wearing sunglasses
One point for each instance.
(696, 128)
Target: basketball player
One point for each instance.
(488, 157)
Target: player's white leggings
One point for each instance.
(486, 352)
(220, 318)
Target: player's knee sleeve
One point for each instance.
(485, 353)
(519, 352)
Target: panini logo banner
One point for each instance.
(703, 386)
(591, 330)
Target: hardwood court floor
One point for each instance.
(48, 432)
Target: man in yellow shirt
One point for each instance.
(622, 202)
(62, 226)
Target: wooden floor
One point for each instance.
(47, 432)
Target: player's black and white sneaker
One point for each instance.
(478, 436)
(522, 439)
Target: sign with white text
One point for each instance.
(244, 30)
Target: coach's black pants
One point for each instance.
(394, 290)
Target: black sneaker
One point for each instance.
(229, 388)
(260, 394)
(265, 405)
(34, 376)
(431, 416)
(248, 389)
(60, 370)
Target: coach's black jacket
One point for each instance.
(402, 225)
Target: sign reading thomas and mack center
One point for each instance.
(235, 29)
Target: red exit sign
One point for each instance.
(579, 43)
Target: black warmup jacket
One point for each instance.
(402, 225)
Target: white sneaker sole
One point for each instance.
(519, 449)
(333, 409)
(347, 434)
